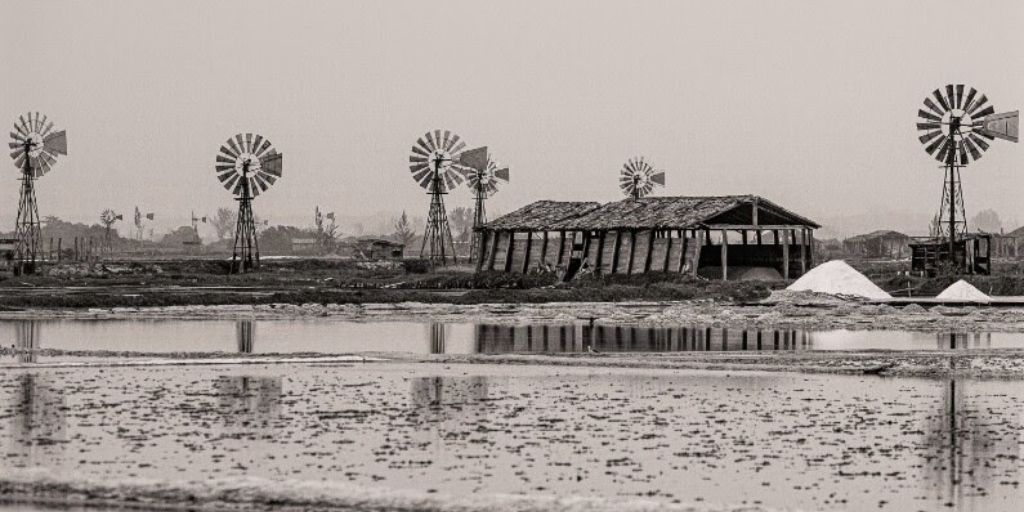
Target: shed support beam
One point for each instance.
(526, 253)
(650, 251)
(617, 246)
(632, 251)
(785, 254)
(599, 259)
(725, 255)
(544, 251)
(494, 250)
(483, 250)
(803, 251)
(561, 248)
(682, 253)
(508, 252)
(668, 252)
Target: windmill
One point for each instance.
(956, 129)
(436, 164)
(35, 147)
(108, 218)
(196, 240)
(483, 178)
(247, 165)
(637, 178)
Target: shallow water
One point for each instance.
(337, 337)
(782, 440)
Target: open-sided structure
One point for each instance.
(652, 234)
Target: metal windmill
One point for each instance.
(35, 147)
(108, 218)
(247, 165)
(436, 164)
(956, 129)
(483, 178)
(637, 178)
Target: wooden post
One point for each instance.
(494, 250)
(682, 253)
(483, 250)
(508, 252)
(744, 233)
(785, 256)
(759, 240)
(599, 260)
(632, 252)
(526, 253)
(650, 251)
(561, 247)
(59, 248)
(617, 246)
(803, 251)
(725, 255)
(810, 247)
(668, 252)
(544, 251)
(699, 241)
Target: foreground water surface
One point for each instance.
(781, 440)
(338, 336)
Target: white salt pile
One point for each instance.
(963, 291)
(838, 278)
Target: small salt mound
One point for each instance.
(838, 278)
(962, 290)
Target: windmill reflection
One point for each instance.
(970, 447)
(26, 340)
(245, 333)
(38, 423)
(438, 336)
(502, 339)
(249, 405)
(448, 403)
(963, 340)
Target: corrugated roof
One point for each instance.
(646, 213)
(541, 215)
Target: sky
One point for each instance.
(809, 103)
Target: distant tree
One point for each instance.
(404, 233)
(461, 219)
(224, 223)
(987, 221)
(278, 239)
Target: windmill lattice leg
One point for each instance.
(27, 226)
(245, 256)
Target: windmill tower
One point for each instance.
(247, 165)
(35, 147)
(957, 129)
(637, 178)
(436, 164)
(483, 178)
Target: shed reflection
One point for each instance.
(38, 422)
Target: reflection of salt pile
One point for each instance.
(962, 290)
(838, 278)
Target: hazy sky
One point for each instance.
(809, 103)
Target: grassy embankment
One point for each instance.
(206, 282)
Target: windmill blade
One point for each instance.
(969, 99)
(946, 145)
(979, 141)
(273, 163)
(234, 147)
(18, 137)
(985, 112)
(658, 178)
(1001, 126)
(924, 114)
(419, 151)
(936, 144)
(56, 142)
(240, 139)
(458, 147)
(959, 95)
(264, 147)
(981, 101)
(929, 136)
(260, 182)
(950, 96)
(447, 137)
(248, 143)
(942, 100)
(224, 160)
(25, 125)
(226, 150)
(430, 141)
(21, 130)
(448, 181)
(424, 145)
(257, 143)
(975, 154)
(423, 177)
(929, 126)
(49, 127)
(19, 161)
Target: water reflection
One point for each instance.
(38, 423)
(249, 405)
(26, 340)
(499, 339)
(448, 403)
(245, 331)
(437, 333)
(963, 340)
(972, 447)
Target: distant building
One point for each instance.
(881, 244)
(709, 235)
(377, 249)
(304, 245)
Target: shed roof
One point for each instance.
(881, 233)
(542, 214)
(648, 213)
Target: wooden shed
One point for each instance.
(653, 234)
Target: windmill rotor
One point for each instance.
(487, 179)
(957, 128)
(248, 162)
(34, 142)
(638, 178)
(436, 161)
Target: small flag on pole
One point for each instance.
(149, 216)
(119, 217)
(330, 215)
